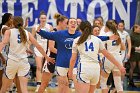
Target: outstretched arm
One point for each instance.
(48, 35)
(105, 38)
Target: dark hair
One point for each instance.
(95, 26)
(134, 27)
(5, 18)
(122, 21)
(42, 13)
(110, 25)
(59, 18)
(18, 23)
(101, 18)
(86, 30)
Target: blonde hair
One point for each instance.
(59, 18)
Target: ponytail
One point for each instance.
(18, 23)
(110, 24)
(86, 29)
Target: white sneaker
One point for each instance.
(37, 88)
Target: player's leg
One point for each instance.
(17, 82)
(23, 83)
(46, 77)
(84, 87)
(103, 81)
(1, 72)
(117, 81)
(38, 71)
(23, 74)
(6, 83)
(63, 82)
(133, 65)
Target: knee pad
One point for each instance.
(103, 82)
(118, 83)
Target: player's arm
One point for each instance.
(73, 59)
(4, 29)
(2, 58)
(128, 39)
(72, 64)
(5, 39)
(49, 35)
(41, 50)
(105, 38)
(52, 46)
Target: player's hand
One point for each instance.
(114, 37)
(38, 28)
(49, 59)
(122, 70)
(128, 56)
(29, 51)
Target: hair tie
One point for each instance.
(19, 25)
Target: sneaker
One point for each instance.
(131, 83)
(37, 88)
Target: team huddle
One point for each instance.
(74, 49)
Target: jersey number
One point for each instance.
(114, 43)
(19, 39)
(90, 46)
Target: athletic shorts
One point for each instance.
(37, 53)
(88, 72)
(108, 66)
(49, 67)
(61, 71)
(21, 68)
(124, 56)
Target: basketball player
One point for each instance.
(114, 47)
(6, 24)
(17, 62)
(43, 42)
(49, 68)
(88, 47)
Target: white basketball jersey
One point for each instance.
(112, 47)
(41, 40)
(1, 30)
(5, 50)
(123, 36)
(17, 50)
(88, 50)
(102, 31)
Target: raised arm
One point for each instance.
(49, 35)
(52, 46)
(105, 38)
